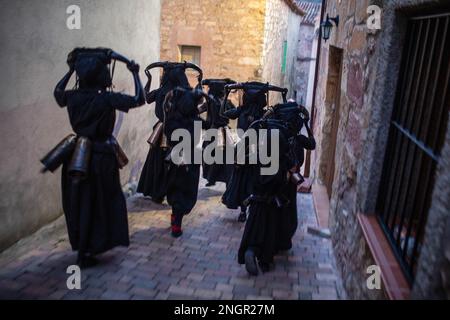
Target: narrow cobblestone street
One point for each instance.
(200, 265)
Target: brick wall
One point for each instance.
(230, 34)
(242, 40)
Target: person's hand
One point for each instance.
(288, 175)
(133, 66)
(294, 169)
(304, 113)
(71, 57)
(148, 74)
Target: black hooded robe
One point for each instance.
(183, 180)
(154, 175)
(153, 179)
(216, 172)
(261, 232)
(241, 182)
(289, 220)
(95, 208)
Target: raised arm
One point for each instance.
(124, 102)
(308, 129)
(139, 97)
(228, 109)
(309, 143)
(232, 113)
(60, 89)
(150, 96)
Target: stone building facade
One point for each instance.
(35, 44)
(281, 36)
(241, 40)
(305, 63)
(359, 83)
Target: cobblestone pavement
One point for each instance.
(200, 265)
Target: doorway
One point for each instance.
(332, 102)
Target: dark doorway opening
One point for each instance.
(333, 98)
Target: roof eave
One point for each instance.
(295, 8)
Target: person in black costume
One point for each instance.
(94, 206)
(272, 218)
(181, 111)
(255, 99)
(217, 172)
(153, 179)
(294, 117)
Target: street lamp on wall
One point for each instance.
(327, 26)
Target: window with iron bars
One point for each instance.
(417, 132)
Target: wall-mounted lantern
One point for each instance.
(327, 26)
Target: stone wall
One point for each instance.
(371, 61)
(307, 51)
(241, 40)
(281, 24)
(303, 63)
(293, 38)
(230, 34)
(353, 38)
(35, 44)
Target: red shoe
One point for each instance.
(176, 231)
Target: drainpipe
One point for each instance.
(307, 172)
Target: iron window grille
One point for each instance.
(417, 134)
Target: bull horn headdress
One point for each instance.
(168, 65)
(262, 87)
